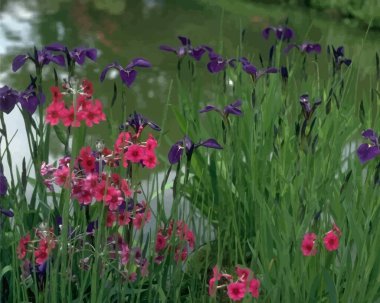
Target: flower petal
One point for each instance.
(175, 153)
(367, 152)
(92, 53)
(371, 135)
(184, 40)
(107, 68)
(208, 108)
(210, 143)
(128, 76)
(19, 61)
(56, 47)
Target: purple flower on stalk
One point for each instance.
(232, 109)
(40, 58)
(176, 151)
(6, 212)
(255, 73)
(138, 122)
(307, 109)
(29, 99)
(77, 54)
(282, 32)
(8, 99)
(186, 48)
(367, 151)
(127, 74)
(305, 48)
(217, 63)
(339, 58)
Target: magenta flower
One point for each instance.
(308, 244)
(127, 74)
(236, 291)
(367, 151)
(331, 241)
(176, 151)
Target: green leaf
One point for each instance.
(60, 134)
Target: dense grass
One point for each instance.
(279, 176)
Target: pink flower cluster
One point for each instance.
(85, 108)
(46, 243)
(182, 239)
(245, 283)
(330, 241)
(130, 259)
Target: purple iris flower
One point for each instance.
(8, 99)
(176, 151)
(284, 74)
(3, 191)
(78, 54)
(367, 151)
(217, 63)
(305, 48)
(40, 58)
(138, 122)
(232, 109)
(307, 109)
(283, 33)
(255, 73)
(29, 99)
(127, 74)
(339, 58)
(186, 48)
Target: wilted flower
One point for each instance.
(307, 109)
(305, 47)
(175, 152)
(186, 48)
(367, 151)
(40, 58)
(127, 74)
(255, 73)
(282, 32)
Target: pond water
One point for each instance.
(123, 30)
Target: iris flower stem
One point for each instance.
(9, 157)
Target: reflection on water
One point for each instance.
(123, 30)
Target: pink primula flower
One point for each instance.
(254, 286)
(236, 291)
(331, 241)
(308, 244)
